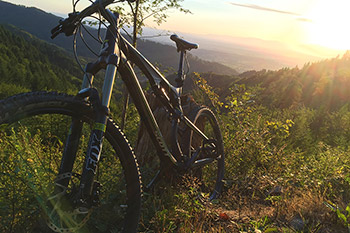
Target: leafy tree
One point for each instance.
(141, 10)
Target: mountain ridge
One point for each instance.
(39, 23)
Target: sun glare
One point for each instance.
(330, 24)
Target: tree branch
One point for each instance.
(153, 13)
(131, 7)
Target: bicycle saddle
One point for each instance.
(183, 45)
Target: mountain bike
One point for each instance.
(67, 183)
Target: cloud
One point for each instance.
(256, 7)
(304, 20)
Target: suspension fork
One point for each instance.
(72, 144)
(101, 108)
(107, 60)
(69, 153)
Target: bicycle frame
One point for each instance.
(115, 56)
(168, 94)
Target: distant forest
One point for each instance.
(321, 84)
(28, 64)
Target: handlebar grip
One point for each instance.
(55, 31)
(53, 35)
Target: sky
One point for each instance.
(293, 22)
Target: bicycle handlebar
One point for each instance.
(69, 25)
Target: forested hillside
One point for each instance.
(27, 63)
(321, 84)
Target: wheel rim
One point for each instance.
(208, 176)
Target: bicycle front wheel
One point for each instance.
(206, 155)
(33, 129)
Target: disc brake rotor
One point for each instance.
(60, 215)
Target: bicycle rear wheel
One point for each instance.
(33, 128)
(207, 155)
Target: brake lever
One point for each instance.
(68, 25)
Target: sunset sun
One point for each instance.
(329, 24)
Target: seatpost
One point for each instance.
(180, 73)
